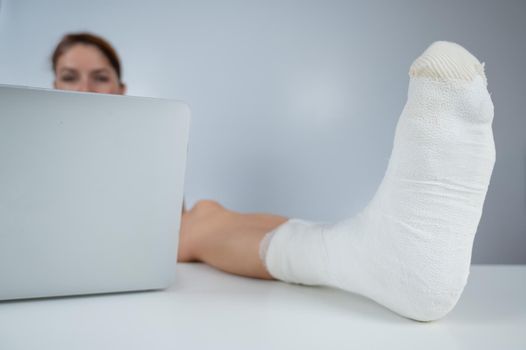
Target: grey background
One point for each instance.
(295, 102)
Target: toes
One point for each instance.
(446, 60)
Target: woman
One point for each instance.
(88, 63)
(209, 233)
(410, 248)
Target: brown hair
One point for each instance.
(87, 39)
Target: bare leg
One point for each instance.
(225, 239)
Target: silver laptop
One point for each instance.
(91, 189)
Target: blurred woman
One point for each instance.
(209, 232)
(88, 63)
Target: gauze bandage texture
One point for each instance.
(410, 248)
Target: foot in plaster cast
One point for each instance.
(410, 248)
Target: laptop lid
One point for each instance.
(91, 190)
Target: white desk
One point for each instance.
(208, 309)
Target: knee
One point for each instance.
(206, 206)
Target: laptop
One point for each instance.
(91, 191)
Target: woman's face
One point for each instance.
(84, 67)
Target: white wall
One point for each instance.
(295, 102)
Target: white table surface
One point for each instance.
(209, 309)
